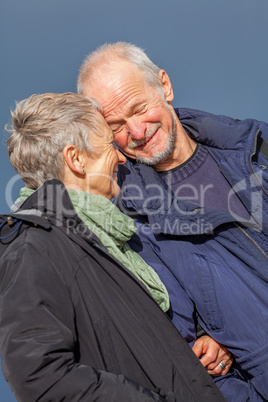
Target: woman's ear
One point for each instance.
(74, 159)
(167, 87)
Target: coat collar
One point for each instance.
(50, 205)
(217, 131)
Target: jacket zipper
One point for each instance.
(253, 241)
(250, 161)
(251, 165)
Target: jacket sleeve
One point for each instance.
(38, 338)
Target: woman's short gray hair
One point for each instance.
(119, 50)
(42, 125)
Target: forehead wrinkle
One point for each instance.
(121, 92)
(121, 104)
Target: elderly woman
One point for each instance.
(80, 316)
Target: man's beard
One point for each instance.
(162, 155)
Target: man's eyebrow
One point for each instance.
(128, 112)
(138, 104)
(115, 121)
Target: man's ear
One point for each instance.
(74, 159)
(167, 87)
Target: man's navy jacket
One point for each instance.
(214, 264)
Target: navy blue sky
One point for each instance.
(215, 52)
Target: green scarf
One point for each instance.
(114, 229)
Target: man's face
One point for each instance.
(143, 123)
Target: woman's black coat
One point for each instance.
(75, 325)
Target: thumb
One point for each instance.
(198, 348)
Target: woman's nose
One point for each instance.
(121, 158)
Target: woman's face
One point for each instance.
(101, 167)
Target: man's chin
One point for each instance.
(153, 159)
(159, 156)
(150, 161)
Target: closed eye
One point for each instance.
(116, 128)
(141, 109)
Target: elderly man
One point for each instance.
(196, 185)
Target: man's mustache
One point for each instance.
(150, 132)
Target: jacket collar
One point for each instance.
(50, 205)
(219, 132)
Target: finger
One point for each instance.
(227, 361)
(226, 358)
(208, 360)
(197, 349)
(210, 357)
(224, 355)
(217, 371)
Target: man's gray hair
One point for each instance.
(42, 125)
(115, 51)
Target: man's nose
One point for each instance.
(136, 129)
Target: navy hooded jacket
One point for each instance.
(214, 264)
